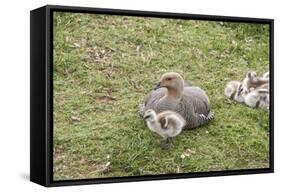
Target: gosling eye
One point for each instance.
(169, 79)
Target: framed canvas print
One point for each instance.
(125, 95)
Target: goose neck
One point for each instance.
(174, 93)
(154, 126)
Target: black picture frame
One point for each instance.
(41, 94)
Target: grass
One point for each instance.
(105, 65)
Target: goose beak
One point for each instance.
(158, 86)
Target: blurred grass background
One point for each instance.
(105, 65)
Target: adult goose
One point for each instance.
(172, 94)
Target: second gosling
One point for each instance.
(235, 91)
(167, 124)
(258, 98)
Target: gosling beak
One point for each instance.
(158, 86)
(146, 117)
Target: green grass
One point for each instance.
(105, 65)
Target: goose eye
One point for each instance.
(169, 79)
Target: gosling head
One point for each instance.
(172, 81)
(241, 91)
(252, 75)
(150, 115)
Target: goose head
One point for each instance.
(250, 78)
(173, 82)
(150, 115)
(241, 93)
(251, 75)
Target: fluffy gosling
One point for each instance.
(167, 124)
(252, 81)
(234, 91)
(258, 98)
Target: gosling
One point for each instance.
(235, 91)
(258, 98)
(167, 124)
(252, 81)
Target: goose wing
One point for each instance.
(198, 99)
(151, 100)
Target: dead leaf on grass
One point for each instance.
(136, 84)
(98, 54)
(75, 118)
(105, 99)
